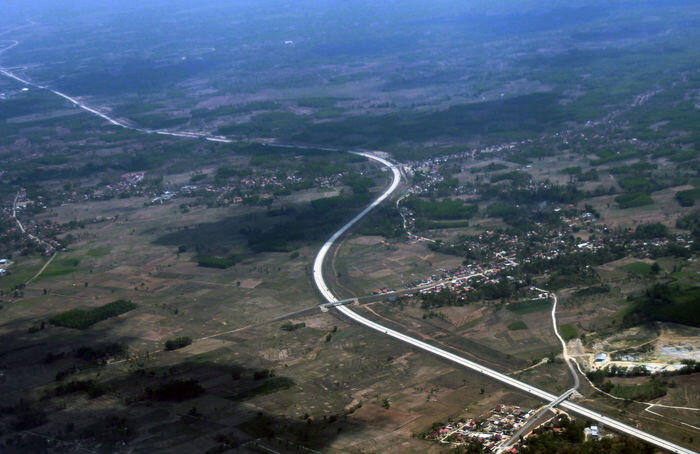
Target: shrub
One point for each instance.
(218, 262)
(517, 325)
(651, 230)
(263, 373)
(687, 198)
(177, 342)
(289, 326)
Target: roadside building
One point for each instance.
(600, 359)
(591, 433)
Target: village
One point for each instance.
(491, 430)
(495, 429)
(255, 189)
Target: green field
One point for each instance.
(60, 267)
(20, 273)
(641, 268)
(633, 199)
(653, 389)
(529, 306)
(99, 251)
(568, 332)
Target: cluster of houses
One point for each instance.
(131, 184)
(430, 165)
(273, 182)
(459, 281)
(491, 430)
(548, 242)
(128, 183)
(495, 251)
(40, 234)
(430, 170)
(132, 178)
(495, 429)
(261, 186)
(330, 181)
(646, 248)
(43, 236)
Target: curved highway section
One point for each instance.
(544, 395)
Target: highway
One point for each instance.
(329, 297)
(541, 394)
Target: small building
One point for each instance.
(4, 261)
(591, 433)
(3, 271)
(600, 358)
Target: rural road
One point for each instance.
(565, 351)
(329, 297)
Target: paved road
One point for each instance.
(323, 288)
(544, 395)
(565, 351)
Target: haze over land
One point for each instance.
(170, 171)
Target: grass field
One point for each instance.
(21, 272)
(60, 267)
(640, 268)
(568, 332)
(99, 251)
(529, 306)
